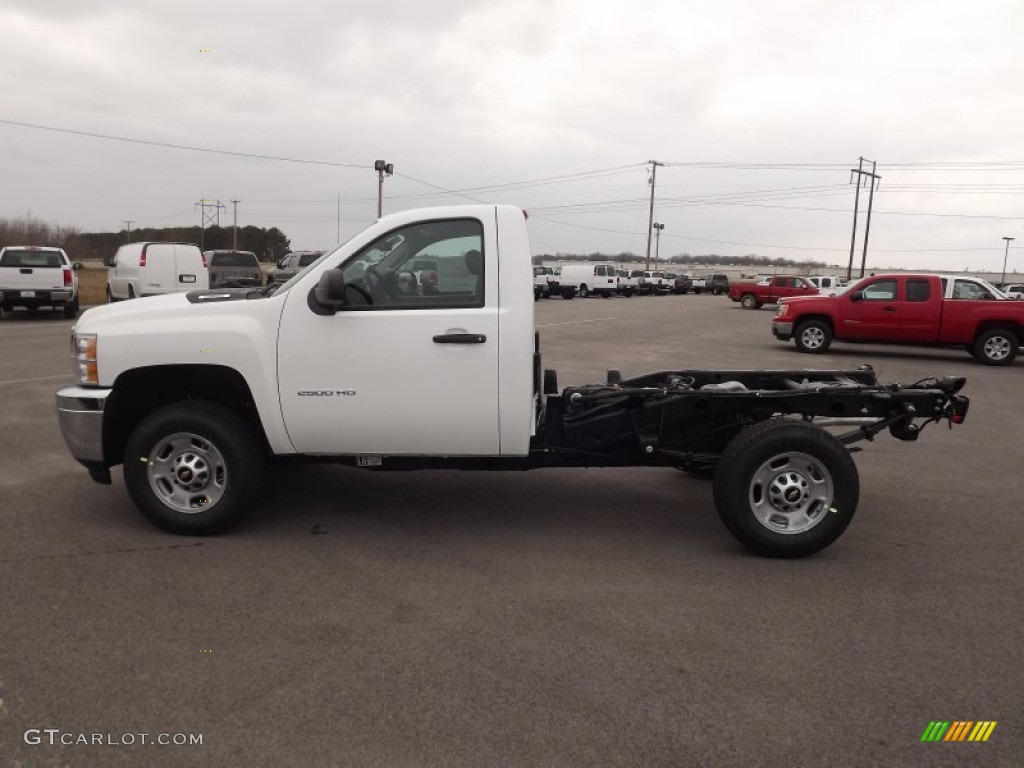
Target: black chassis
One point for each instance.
(685, 419)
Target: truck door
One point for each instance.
(398, 370)
(871, 313)
(919, 310)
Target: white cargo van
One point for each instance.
(590, 278)
(151, 269)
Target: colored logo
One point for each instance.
(958, 730)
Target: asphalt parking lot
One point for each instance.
(558, 617)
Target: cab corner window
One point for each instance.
(918, 290)
(426, 265)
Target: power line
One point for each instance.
(167, 145)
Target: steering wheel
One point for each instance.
(364, 294)
(376, 287)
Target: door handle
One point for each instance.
(460, 338)
(888, 309)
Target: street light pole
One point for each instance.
(657, 242)
(1005, 257)
(382, 167)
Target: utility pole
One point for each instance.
(129, 222)
(657, 242)
(211, 219)
(234, 238)
(1005, 257)
(874, 178)
(650, 220)
(381, 167)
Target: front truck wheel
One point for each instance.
(193, 467)
(786, 489)
(813, 336)
(996, 346)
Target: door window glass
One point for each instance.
(883, 290)
(426, 265)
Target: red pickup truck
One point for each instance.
(946, 310)
(755, 295)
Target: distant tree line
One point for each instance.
(750, 260)
(268, 244)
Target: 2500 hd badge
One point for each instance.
(326, 392)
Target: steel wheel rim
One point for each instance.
(748, 302)
(791, 493)
(187, 472)
(997, 348)
(813, 337)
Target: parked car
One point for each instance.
(600, 279)
(233, 269)
(33, 276)
(542, 281)
(291, 265)
(682, 284)
(651, 282)
(716, 284)
(152, 269)
(628, 285)
(825, 283)
(755, 295)
(1013, 290)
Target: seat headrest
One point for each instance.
(475, 262)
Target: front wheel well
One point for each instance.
(139, 392)
(798, 321)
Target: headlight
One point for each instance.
(784, 310)
(83, 352)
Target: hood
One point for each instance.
(139, 311)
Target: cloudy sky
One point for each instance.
(758, 109)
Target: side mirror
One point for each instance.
(856, 296)
(280, 264)
(328, 295)
(76, 265)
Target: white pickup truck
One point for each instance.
(351, 361)
(34, 276)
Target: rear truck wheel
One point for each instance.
(748, 301)
(996, 346)
(193, 468)
(584, 291)
(568, 293)
(786, 489)
(813, 336)
(606, 294)
(71, 310)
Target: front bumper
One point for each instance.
(782, 331)
(80, 415)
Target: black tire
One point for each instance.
(237, 461)
(786, 489)
(813, 337)
(584, 291)
(749, 301)
(131, 292)
(696, 291)
(996, 346)
(71, 310)
(568, 293)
